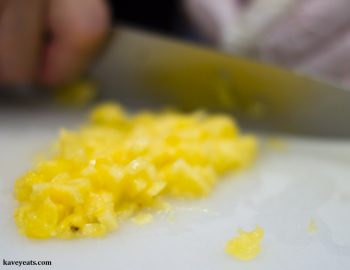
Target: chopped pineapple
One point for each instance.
(118, 164)
(312, 226)
(142, 219)
(246, 246)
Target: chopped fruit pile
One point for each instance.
(118, 164)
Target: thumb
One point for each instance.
(78, 29)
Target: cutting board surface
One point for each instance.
(307, 179)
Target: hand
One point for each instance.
(49, 41)
(312, 36)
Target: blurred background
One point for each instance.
(52, 42)
(162, 16)
(310, 36)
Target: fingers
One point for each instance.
(309, 27)
(3, 4)
(78, 28)
(20, 40)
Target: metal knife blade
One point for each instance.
(141, 68)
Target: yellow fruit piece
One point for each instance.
(312, 226)
(118, 164)
(108, 114)
(38, 219)
(94, 230)
(245, 246)
(142, 219)
(79, 93)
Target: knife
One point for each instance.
(146, 70)
(143, 69)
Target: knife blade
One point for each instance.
(140, 68)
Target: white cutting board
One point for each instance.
(282, 192)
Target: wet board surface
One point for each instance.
(303, 180)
